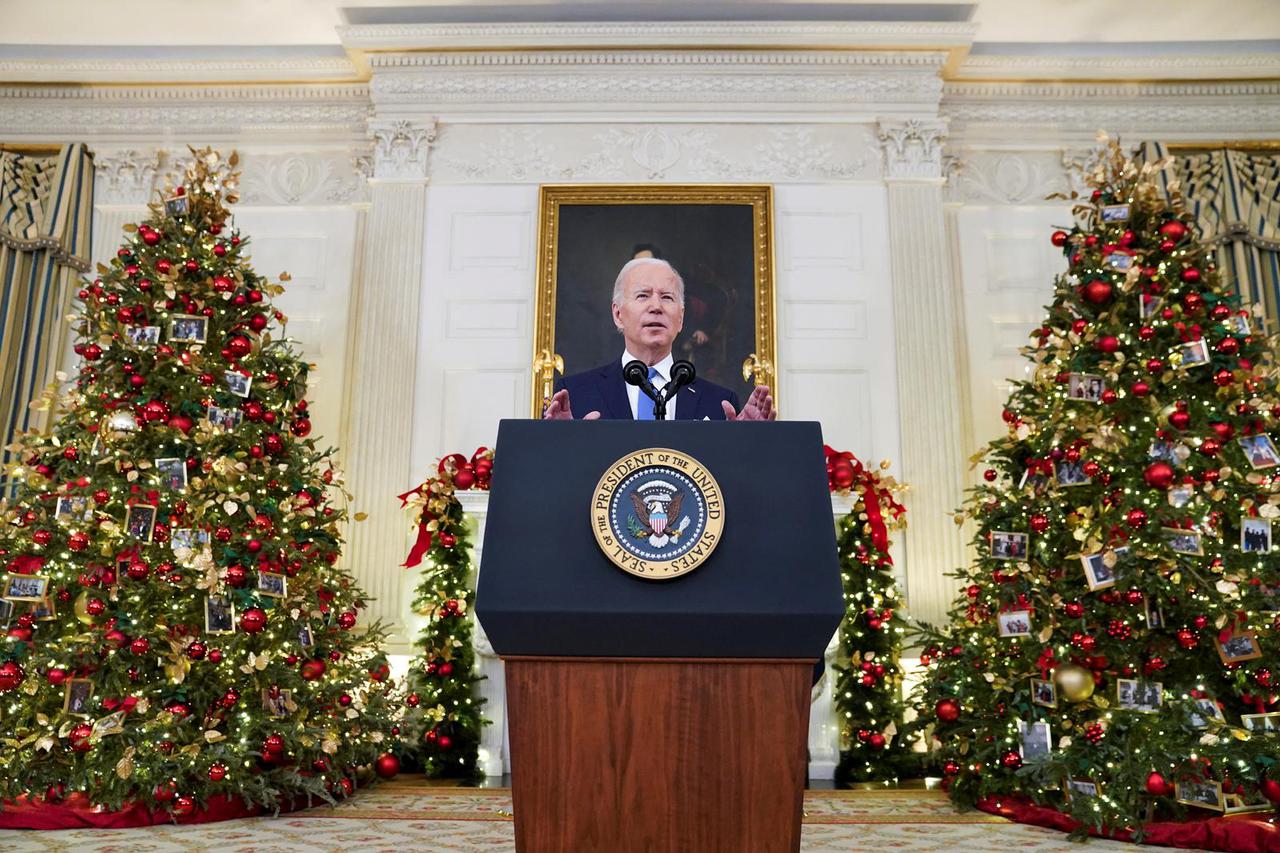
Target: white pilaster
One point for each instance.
(384, 341)
(929, 382)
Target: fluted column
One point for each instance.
(383, 344)
(926, 330)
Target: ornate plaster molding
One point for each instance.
(401, 150)
(704, 81)
(125, 176)
(141, 70)
(303, 178)
(807, 34)
(912, 149)
(1119, 67)
(205, 113)
(1071, 113)
(470, 153)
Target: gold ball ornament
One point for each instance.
(118, 425)
(82, 608)
(1075, 682)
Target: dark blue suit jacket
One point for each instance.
(604, 390)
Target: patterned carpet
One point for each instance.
(406, 815)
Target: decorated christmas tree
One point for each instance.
(179, 633)
(441, 729)
(868, 688)
(1114, 652)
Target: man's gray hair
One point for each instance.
(635, 262)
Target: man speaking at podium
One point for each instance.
(648, 309)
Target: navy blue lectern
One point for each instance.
(659, 714)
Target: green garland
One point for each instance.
(442, 725)
(868, 688)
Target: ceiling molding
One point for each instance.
(689, 82)
(324, 113)
(985, 67)
(142, 70)
(668, 34)
(989, 113)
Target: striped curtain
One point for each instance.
(1235, 198)
(46, 212)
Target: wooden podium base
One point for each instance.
(658, 754)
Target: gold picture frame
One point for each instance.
(759, 365)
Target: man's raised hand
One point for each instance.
(559, 410)
(759, 407)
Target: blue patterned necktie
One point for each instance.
(644, 403)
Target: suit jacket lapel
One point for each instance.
(614, 391)
(687, 400)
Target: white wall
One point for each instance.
(1007, 268)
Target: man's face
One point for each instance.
(650, 314)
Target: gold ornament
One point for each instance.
(1075, 682)
(82, 608)
(119, 425)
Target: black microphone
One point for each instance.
(636, 372)
(682, 374)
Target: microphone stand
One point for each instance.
(636, 373)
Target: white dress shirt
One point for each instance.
(659, 382)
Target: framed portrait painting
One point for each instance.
(719, 238)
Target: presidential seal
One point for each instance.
(657, 513)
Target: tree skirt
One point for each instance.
(1246, 833)
(76, 812)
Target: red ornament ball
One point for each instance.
(346, 620)
(1271, 789)
(11, 675)
(56, 676)
(1058, 238)
(1191, 275)
(1136, 518)
(239, 346)
(1173, 230)
(80, 738)
(184, 805)
(1140, 389)
(78, 541)
(301, 427)
(842, 474)
(464, 479)
(1074, 609)
(1097, 292)
(387, 765)
(1158, 786)
(313, 670)
(1039, 523)
(948, 710)
(1158, 475)
(217, 772)
(1179, 420)
(253, 620)
(1108, 343)
(990, 475)
(877, 741)
(1012, 760)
